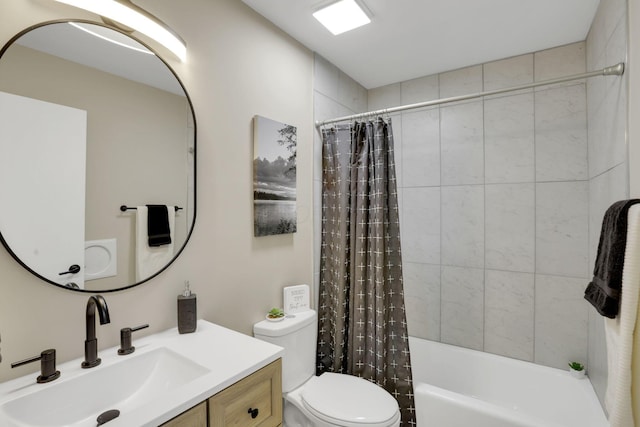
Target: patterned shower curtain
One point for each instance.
(362, 328)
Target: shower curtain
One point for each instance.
(362, 328)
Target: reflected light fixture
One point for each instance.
(342, 16)
(100, 32)
(126, 13)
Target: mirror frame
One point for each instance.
(6, 46)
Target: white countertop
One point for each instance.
(227, 355)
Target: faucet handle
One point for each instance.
(125, 339)
(47, 360)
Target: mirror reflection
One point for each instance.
(91, 120)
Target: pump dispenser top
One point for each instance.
(187, 291)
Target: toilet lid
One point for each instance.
(349, 401)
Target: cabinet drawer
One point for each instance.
(194, 417)
(251, 402)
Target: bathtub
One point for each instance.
(458, 387)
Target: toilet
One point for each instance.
(328, 400)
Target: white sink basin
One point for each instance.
(125, 385)
(168, 374)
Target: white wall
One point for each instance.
(239, 65)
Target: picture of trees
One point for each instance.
(274, 177)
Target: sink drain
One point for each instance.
(107, 416)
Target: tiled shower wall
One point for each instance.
(494, 200)
(608, 157)
(335, 94)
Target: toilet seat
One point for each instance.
(349, 401)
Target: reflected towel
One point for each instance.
(150, 260)
(619, 331)
(158, 225)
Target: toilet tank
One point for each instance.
(296, 333)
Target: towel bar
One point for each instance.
(125, 208)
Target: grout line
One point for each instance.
(484, 219)
(535, 216)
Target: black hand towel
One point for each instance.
(158, 225)
(603, 292)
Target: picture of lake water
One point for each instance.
(274, 217)
(274, 177)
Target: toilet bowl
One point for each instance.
(328, 400)
(333, 400)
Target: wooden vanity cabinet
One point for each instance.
(251, 402)
(194, 417)
(254, 401)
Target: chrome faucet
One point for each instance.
(91, 358)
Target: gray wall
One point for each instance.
(494, 201)
(502, 198)
(335, 94)
(608, 157)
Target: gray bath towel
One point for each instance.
(603, 292)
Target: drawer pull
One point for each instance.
(253, 412)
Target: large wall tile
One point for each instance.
(396, 127)
(384, 97)
(461, 82)
(351, 94)
(559, 61)
(422, 299)
(616, 50)
(462, 306)
(462, 144)
(508, 72)
(420, 90)
(562, 212)
(509, 139)
(421, 148)
(325, 78)
(561, 133)
(560, 321)
(597, 368)
(604, 190)
(607, 129)
(612, 12)
(508, 323)
(509, 227)
(421, 225)
(463, 226)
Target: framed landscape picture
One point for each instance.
(274, 177)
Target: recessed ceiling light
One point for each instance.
(342, 16)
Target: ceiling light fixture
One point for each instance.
(127, 13)
(342, 16)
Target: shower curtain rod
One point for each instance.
(614, 70)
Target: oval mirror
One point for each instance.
(94, 130)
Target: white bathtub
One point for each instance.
(458, 387)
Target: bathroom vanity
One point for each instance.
(256, 400)
(214, 376)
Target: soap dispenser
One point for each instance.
(186, 310)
